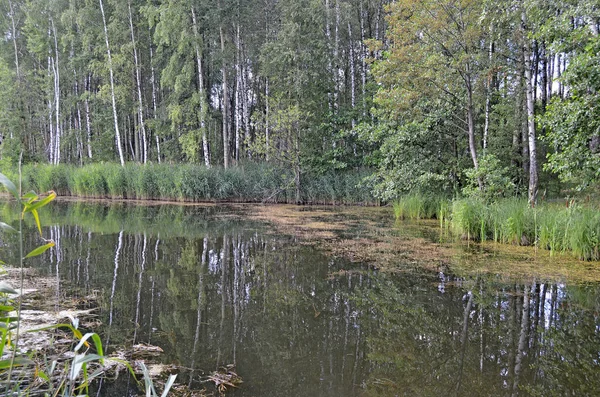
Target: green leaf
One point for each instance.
(40, 250)
(75, 331)
(6, 289)
(9, 185)
(37, 220)
(7, 228)
(18, 362)
(39, 204)
(43, 375)
(97, 343)
(30, 197)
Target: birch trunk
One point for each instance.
(79, 123)
(533, 171)
(112, 88)
(201, 93)
(50, 121)
(238, 83)
(14, 37)
(154, 101)
(247, 72)
(88, 121)
(138, 81)
(267, 126)
(56, 72)
(488, 98)
(471, 122)
(225, 102)
(363, 56)
(352, 77)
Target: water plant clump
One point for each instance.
(246, 182)
(417, 206)
(555, 226)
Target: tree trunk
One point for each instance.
(138, 81)
(154, 101)
(225, 102)
(88, 121)
(533, 172)
(14, 37)
(112, 88)
(56, 71)
(267, 126)
(237, 106)
(352, 77)
(201, 93)
(471, 124)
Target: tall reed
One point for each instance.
(247, 182)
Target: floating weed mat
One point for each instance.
(369, 236)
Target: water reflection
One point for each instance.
(214, 289)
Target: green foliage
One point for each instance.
(420, 206)
(495, 178)
(572, 122)
(90, 181)
(248, 182)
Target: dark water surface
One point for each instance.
(213, 288)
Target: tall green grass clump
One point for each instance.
(246, 182)
(469, 219)
(418, 206)
(117, 182)
(90, 181)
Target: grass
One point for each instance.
(248, 182)
(558, 227)
(416, 206)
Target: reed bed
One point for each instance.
(249, 182)
(559, 226)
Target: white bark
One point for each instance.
(154, 101)
(267, 126)
(112, 88)
(363, 56)
(14, 37)
(51, 145)
(533, 171)
(201, 92)
(79, 123)
(225, 102)
(246, 72)
(238, 83)
(88, 121)
(56, 72)
(138, 81)
(352, 76)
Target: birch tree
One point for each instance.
(112, 87)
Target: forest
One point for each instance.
(456, 97)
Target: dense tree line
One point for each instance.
(453, 95)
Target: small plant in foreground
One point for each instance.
(72, 373)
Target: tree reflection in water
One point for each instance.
(212, 289)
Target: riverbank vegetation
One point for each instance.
(251, 182)
(568, 226)
(391, 96)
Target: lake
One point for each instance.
(298, 314)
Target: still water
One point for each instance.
(213, 288)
